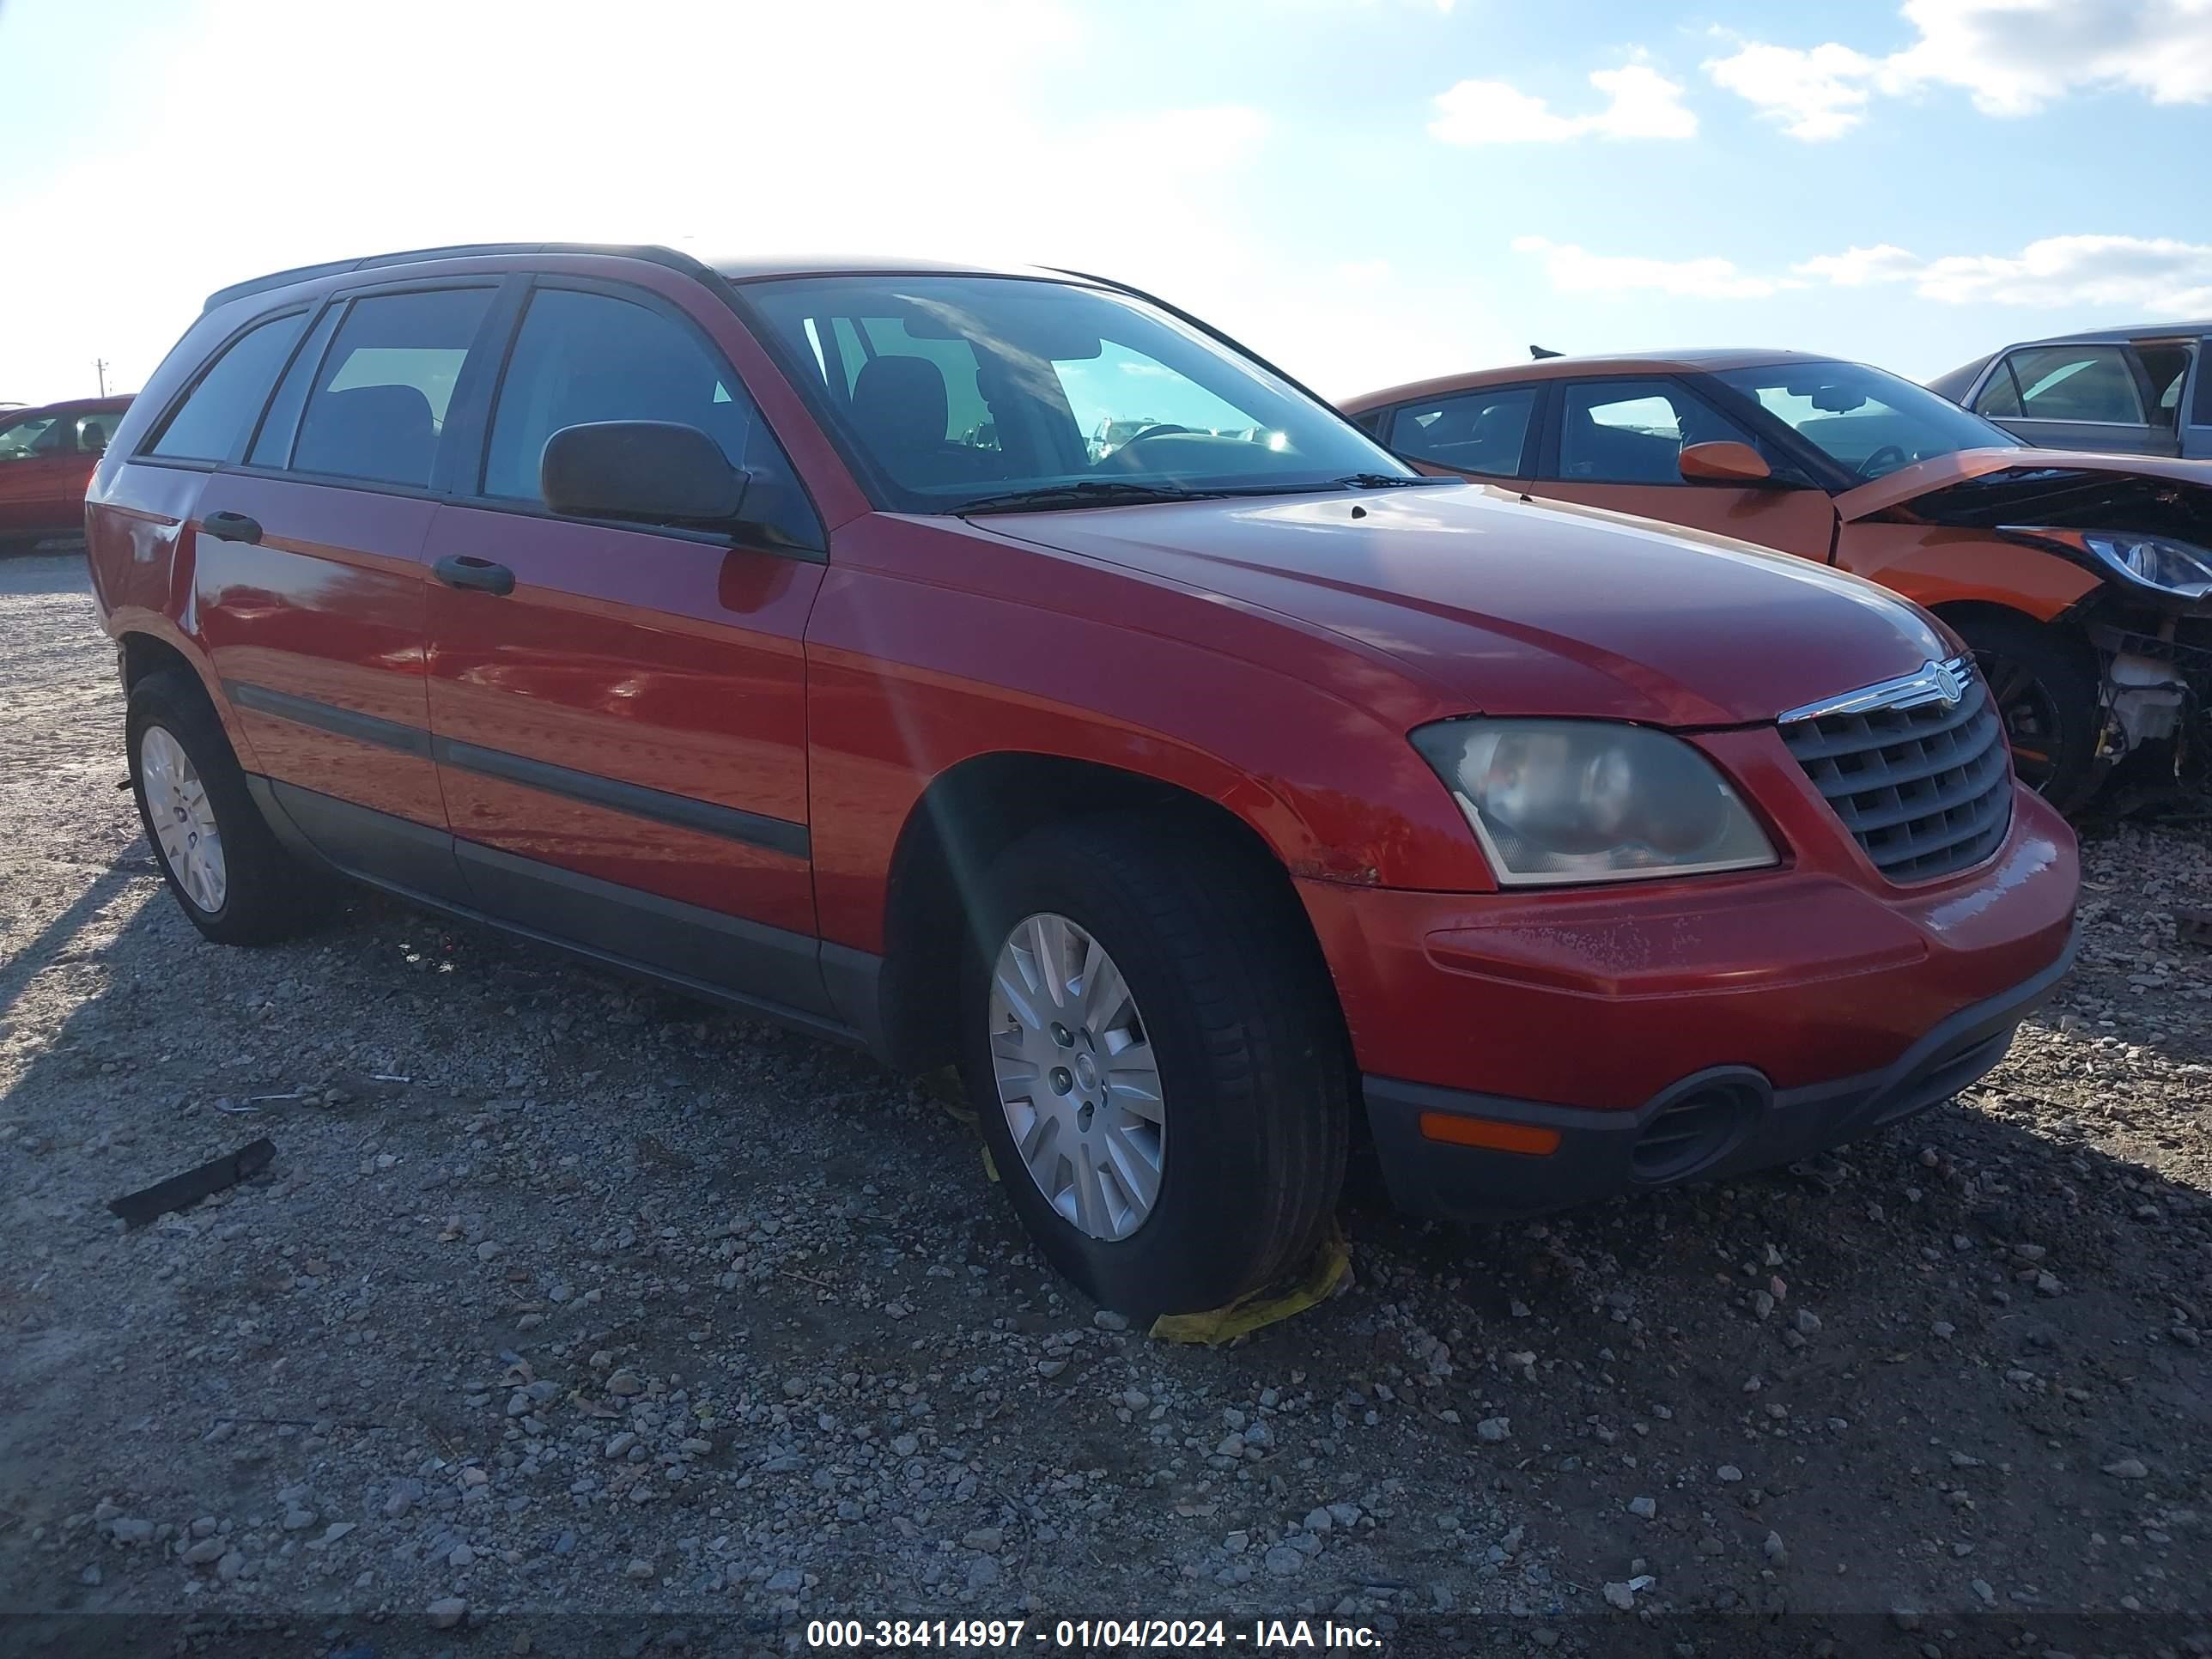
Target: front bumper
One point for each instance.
(1725, 1120)
(1760, 1015)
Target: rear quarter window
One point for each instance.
(214, 414)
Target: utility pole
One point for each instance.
(100, 367)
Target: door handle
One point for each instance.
(458, 570)
(231, 527)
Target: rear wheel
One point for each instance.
(236, 882)
(2044, 684)
(1156, 1061)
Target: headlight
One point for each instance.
(1561, 801)
(2181, 569)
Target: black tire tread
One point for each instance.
(2065, 665)
(1254, 981)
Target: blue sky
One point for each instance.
(1367, 190)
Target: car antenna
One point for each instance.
(1538, 353)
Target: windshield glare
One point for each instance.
(951, 390)
(1867, 422)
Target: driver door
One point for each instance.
(1616, 444)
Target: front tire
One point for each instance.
(1157, 1061)
(234, 882)
(2044, 683)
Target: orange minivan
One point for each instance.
(2083, 582)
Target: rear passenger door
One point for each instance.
(2075, 396)
(310, 571)
(621, 738)
(1618, 444)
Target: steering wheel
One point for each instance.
(1867, 467)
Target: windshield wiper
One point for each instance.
(1089, 492)
(1388, 481)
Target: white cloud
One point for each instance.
(1640, 103)
(1820, 94)
(2151, 277)
(1574, 270)
(2010, 57)
(2015, 56)
(2157, 277)
(1859, 266)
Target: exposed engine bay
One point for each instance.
(2150, 538)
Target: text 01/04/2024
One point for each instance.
(1086, 1635)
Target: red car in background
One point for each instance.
(46, 458)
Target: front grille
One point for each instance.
(1925, 789)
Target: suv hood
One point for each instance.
(2078, 489)
(1515, 607)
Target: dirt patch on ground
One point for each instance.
(566, 1298)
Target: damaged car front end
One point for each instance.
(2139, 531)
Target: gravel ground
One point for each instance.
(565, 1297)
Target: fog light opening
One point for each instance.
(1685, 1135)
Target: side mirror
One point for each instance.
(647, 471)
(1724, 463)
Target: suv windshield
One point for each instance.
(953, 393)
(1868, 423)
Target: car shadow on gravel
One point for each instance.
(61, 941)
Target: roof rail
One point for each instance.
(660, 256)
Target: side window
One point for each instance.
(208, 425)
(1484, 431)
(2075, 383)
(30, 437)
(379, 397)
(2200, 404)
(95, 431)
(582, 357)
(1633, 431)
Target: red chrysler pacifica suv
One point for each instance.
(1210, 797)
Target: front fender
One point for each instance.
(1935, 566)
(908, 679)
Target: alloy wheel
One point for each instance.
(183, 817)
(1077, 1077)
